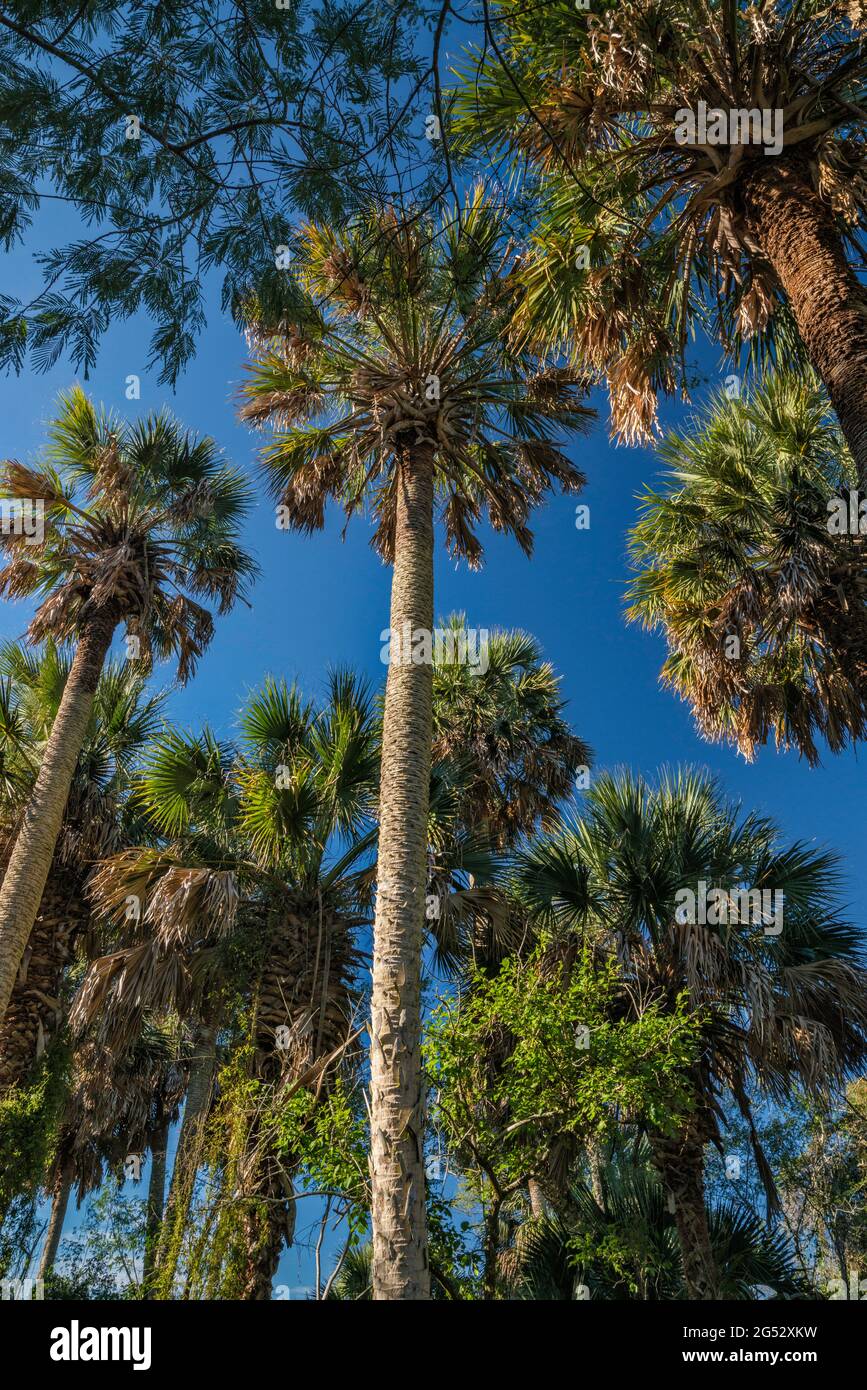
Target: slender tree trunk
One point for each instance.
(596, 1165)
(797, 233)
(267, 1233)
(27, 873)
(537, 1198)
(203, 1066)
(156, 1199)
(400, 1258)
(680, 1163)
(492, 1250)
(35, 1010)
(59, 1203)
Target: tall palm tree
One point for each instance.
(504, 725)
(651, 224)
(123, 717)
(137, 518)
(261, 858)
(385, 370)
(762, 598)
(778, 1005)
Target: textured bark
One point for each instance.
(59, 1203)
(267, 1230)
(400, 1260)
(305, 986)
(680, 1163)
(797, 233)
(30, 861)
(596, 1165)
(156, 1199)
(203, 1066)
(35, 1009)
(537, 1198)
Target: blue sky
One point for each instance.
(323, 601)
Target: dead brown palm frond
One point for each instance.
(30, 484)
(189, 903)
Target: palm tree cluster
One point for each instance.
(521, 1028)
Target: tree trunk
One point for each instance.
(537, 1198)
(797, 233)
(59, 1203)
(400, 1259)
(491, 1250)
(596, 1166)
(267, 1231)
(680, 1163)
(35, 1009)
(156, 1199)
(27, 873)
(203, 1066)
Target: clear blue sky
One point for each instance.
(323, 601)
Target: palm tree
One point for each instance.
(503, 726)
(395, 390)
(136, 519)
(116, 1105)
(781, 1000)
(254, 889)
(763, 604)
(123, 717)
(651, 224)
(636, 1224)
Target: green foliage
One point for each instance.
(248, 112)
(101, 1261)
(327, 1136)
(555, 1079)
(741, 563)
(29, 1119)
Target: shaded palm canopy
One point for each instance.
(648, 228)
(268, 837)
(779, 984)
(502, 724)
(745, 566)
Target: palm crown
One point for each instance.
(763, 605)
(504, 727)
(123, 718)
(660, 223)
(390, 335)
(777, 1006)
(138, 519)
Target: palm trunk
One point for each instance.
(35, 1009)
(798, 235)
(400, 1258)
(156, 1199)
(596, 1166)
(203, 1065)
(267, 1232)
(59, 1203)
(537, 1199)
(30, 862)
(680, 1163)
